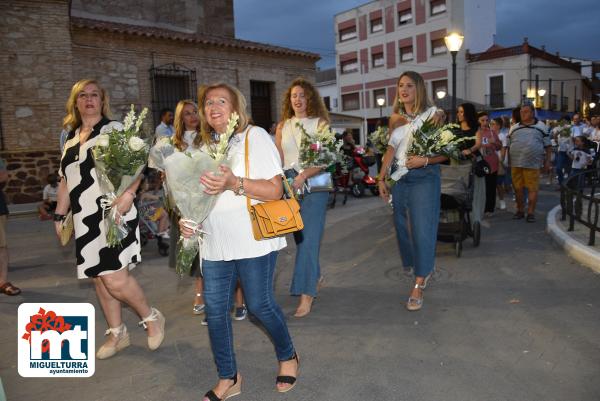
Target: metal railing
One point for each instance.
(580, 201)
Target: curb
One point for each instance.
(575, 249)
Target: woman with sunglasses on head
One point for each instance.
(229, 250)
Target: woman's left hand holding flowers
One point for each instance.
(123, 204)
(413, 162)
(217, 183)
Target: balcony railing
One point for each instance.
(495, 100)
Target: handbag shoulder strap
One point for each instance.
(247, 170)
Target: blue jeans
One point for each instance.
(307, 269)
(563, 164)
(417, 194)
(256, 277)
(579, 183)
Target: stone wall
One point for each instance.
(28, 173)
(42, 54)
(36, 75)
(125, 60)
(210, 17)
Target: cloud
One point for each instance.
(570, 28)
(563, 27)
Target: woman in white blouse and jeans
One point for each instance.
(303, 105)
(230, 251)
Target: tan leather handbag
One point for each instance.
(273, 218)
(66, 229)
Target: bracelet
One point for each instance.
(130, 193)
(426, 161)
(239, 189)
(59, 217)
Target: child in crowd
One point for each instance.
(48, 205)
(152, 200)
(581, 156)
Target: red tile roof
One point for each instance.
(218, 41)
(496, 51)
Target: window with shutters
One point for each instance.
(351, 101)
(406, 54)
(405, 17)
(437, 7)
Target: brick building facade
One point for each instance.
(151, 56)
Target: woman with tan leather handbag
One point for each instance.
(302, 104)
(230, 250)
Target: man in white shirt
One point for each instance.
(578, 128)
(165, 128)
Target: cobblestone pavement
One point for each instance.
(514, 319)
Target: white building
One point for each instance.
(502, 77)
(326, 84)
(379, 40)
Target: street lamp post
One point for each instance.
(453, 42)
(541, 93)
(380, 103)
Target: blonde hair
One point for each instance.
(422, 101)
(238, 101)
(72, 120)
(179, 126)
(314, 104)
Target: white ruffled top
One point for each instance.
(401, 140)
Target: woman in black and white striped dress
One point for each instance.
(87, 112)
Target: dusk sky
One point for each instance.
(572, 28)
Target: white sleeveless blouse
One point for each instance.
(291, 139)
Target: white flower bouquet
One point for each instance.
(431, 140)
(428, 140)
(120, 157)
(320, 148)
(380, 139)
(183, 171)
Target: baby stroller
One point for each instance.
(456, 203)
(148, 211)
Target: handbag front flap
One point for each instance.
(280, 213)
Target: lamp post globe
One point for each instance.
(453, 42)
(380, 103)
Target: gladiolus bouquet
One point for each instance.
(120, 157)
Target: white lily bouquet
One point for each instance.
(428, 140)
(319, 149)
(120, 157)
(183, 171)
(380, 139)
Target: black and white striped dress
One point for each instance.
(94, 258)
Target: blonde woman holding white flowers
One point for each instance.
(229, 250)
(302, 104)
(87, 112)
(416, 188)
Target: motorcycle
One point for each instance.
(361, 180)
